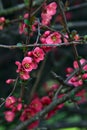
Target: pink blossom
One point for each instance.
(45, 100)
(24, 74)
(27, 64)
(10, 101)
(76, 80)
(19, 106)
(51, 8)
(38, 54)
(54, 38)
(46, 33)
(48, 11)
(69, 70)
(26, 15)
(46, 18)
(19, 66)
(9, 116)
(27, 114)
(75, 64)
(2, 19)
(36, 105)
(76, 37)
(84, 76)
(81, 94)
(9, 81)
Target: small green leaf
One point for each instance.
(19, 44)
(26, 2)
(77, 98)
(85, 37)
(26, 21)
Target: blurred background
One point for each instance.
(57, 60)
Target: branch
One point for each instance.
(40, 44)
(37, 80)
(50, 107)
(67, 79)
(17, 8)
(80, 124)
(76, 7)
(16, 80)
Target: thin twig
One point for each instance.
(67, 79)
(37, 80)
(16, 80)
(40, 45)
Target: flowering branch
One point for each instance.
(48, 108)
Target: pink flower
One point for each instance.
(10, 101)
(9, 81)
(26, 15)
(36, 105)
(2, 21)
(46, 18)
(75, 64)
(27, 64)
(9, 116)
(51, 8)
(24, 74)
(27, 114)
(45, 100)
(54, 38)
(76, 80)
(38, 54)
(84, 76)
(48, 11)
(76, 37)
(19, 66)
(69, 70)
(19, 106)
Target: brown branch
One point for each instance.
(37, 80)
(67, 79)
(80, 42)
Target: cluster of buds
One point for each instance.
(24, 26)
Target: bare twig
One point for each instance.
(37, 80)
(40, 45)
(16, 80)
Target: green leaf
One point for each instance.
(26, 21)
(19, 44)
(26, 2)
(85, 37)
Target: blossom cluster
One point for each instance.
(50, 38)
(47, 12)
(77, 79)
(29, 62)
(27, 111)
(24, 26)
